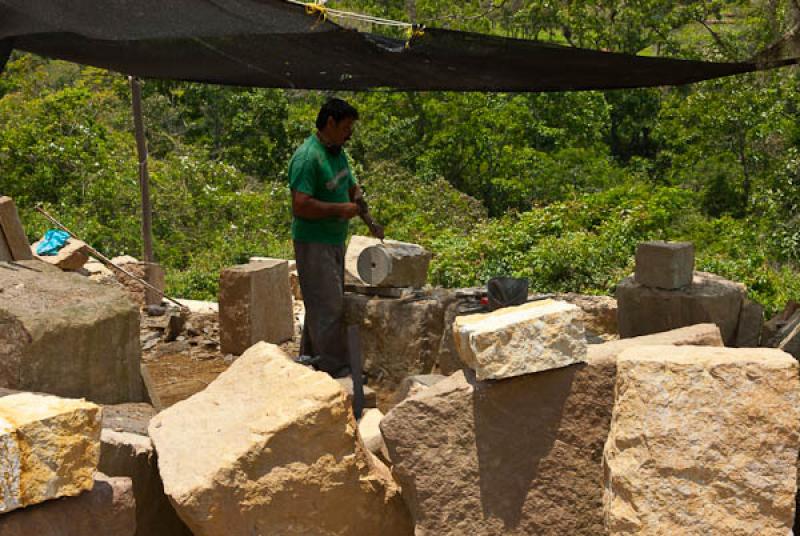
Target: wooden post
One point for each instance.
(144, 176)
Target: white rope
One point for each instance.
(336, 13)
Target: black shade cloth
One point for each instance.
(272, 43)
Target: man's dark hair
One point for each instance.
(336, 108)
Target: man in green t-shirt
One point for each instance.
(325, 197)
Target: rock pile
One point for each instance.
(515, 456)
(665, 293)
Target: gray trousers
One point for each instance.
(320, 268)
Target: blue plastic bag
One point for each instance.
(52, 243)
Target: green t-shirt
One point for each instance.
(326, 177)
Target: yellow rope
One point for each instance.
(317, 9)
(414, 31)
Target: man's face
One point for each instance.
(339, 133)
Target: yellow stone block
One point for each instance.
(49, 448)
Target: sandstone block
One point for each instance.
(65, 335)
(294, 281)
(13, 234)
(355, 246)
(107, 509)
(49, 448)
(70, 257)
(667, 265)
(370, 433)
(515, 457)
(270, 447)
(751, 320)
(645, 310)
(414, 385)
(255, 304)
(399, 338)
(394, 264)
(528, 338)
(703, 441)
(127, 454)
(599, 313)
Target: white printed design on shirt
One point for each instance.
(334, 182)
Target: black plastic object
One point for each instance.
(507, 291)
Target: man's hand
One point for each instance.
(348, 210)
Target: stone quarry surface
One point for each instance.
(667, 265)
(14, 244)
(255, 304)
(399, 338)
(394, 264)
(49, 448)
(703, 441)
(517, 457)
(710, 298)
(512, 341)
(270, 447)
(107, 509)
(70, 257)
(63, 334)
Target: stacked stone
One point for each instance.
(49, 452)
(666, 293)
(521, 452)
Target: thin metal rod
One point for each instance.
(144, 175)
(105, 260)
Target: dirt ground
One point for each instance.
(180, 362)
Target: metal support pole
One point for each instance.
(144, 176)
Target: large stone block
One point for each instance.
(645, 310)
(269, 447)
(667, 265)
(703, 441)
(255, 304)
(49, 448)
(15, 243)
(528, 338)
(399, 338)
(518, 456)
(394, 264)
(108, 509)
(63, 334)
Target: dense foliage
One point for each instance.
(556, 187)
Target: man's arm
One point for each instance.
(306, 207)
(357, 197)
